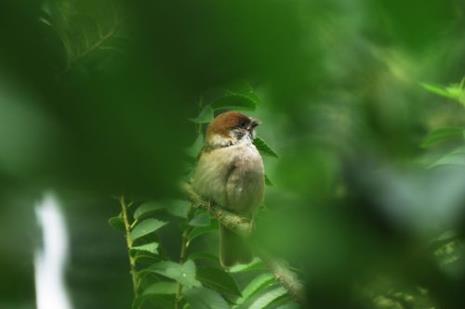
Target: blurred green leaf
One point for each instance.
(454, 92)
(256, 264)
(146, 227)
(203, 298)
(178, 208)
(204, 256)
(182, 273)
(268, 181)
(206, 115)
(195, 149)
(455, 157)
(201, 219)
(117, 222)
(267, 298)
(219, 280)
(236, 101)
(151, 248)
(201, 230)
(442, 135)
(160, 288)
(264, 148)
(256, 285)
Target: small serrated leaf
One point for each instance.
(178, 208)
(147, 208)
(219, 280)
(162, 287)
(146, 227)
(182, 273)
(263, 147)
(203, 298)
(117, 222)
(151, 248)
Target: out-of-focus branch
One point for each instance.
(243, 227)
(285, 276)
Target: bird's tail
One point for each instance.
(233, 249)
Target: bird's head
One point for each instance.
(230, 128)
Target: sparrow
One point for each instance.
(230, 173)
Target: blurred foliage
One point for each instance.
(362, 101)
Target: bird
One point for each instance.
(230, 173)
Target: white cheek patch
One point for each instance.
(220, 140)
(253, 134)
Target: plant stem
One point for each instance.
(127, 228)
(183, 256)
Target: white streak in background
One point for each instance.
(50, 261)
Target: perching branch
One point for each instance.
(235, 223)
(243, 227)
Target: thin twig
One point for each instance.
(127, 228)
(241, 226)
(183, 256)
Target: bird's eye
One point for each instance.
(243, 124)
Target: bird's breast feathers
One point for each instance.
(231, 175)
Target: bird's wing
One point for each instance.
(244, 188)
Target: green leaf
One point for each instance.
(200, 219)
(160, 288)
(202, 230)
(145, 258)
(178, 208)
(219, 280)
(146, 227)
(182, 273)
(204, 256)
(442, 135)
(151, 248)
(194, 150)
(256, 285)
(146, 209)
(454, 92)
(268, 181)
(203, 298)
(264, 148)
(256, 264)
(267, 298)
(236, 101)
(283, 302)
(455, 157)
(117, 222)
(206, 115)
(153, 293)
